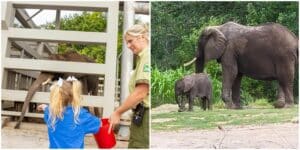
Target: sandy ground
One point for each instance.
(34, 135)
(266, 136)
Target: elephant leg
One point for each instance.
(209, 105)
(236, 92)
(280, 102)
(281, 96)
(286, 89)
(204, 103)
(177, 99)
(182, 103)
(289, 98)
(286, 82)
(288, 92)
(191, 102)
(229, 75)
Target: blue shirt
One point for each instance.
(67, 133)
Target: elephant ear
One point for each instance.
(188, 83)
(215, 45)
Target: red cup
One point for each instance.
(103, 138)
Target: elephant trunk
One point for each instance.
(200, 63)
(200, 56)
(32, 90)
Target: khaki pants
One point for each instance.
(139, 135)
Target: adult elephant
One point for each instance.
(265, 52)
(89, 82)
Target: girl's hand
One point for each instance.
(41, 107)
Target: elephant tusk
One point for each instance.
(190, 62)
(47, 81)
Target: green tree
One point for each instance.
(88, 22)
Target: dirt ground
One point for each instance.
(267, 136)
(272, 136)
(34, 135)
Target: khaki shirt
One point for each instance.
(141, 74)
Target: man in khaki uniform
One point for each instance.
(137, 40)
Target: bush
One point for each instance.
(162, 85)
(261, 102)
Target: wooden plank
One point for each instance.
(61, 5)
(32, 74)
(14, 113)
(43, 97)
(55, 66)
(7, 15)
(27, 48)
(49, 48)
(111, 56)
(15, 53)
(57, 36)
(23, 17)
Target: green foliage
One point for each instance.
(163, 82)
(176, 27)
(162, 85)
(88, 22)
(93, 22)
(262, 102)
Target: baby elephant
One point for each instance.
(192, 86)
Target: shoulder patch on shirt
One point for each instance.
(146, 68)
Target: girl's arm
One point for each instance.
(41, 107)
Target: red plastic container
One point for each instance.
(103, 139)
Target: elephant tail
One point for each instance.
(297, 54)
(32, 90)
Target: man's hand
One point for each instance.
(41, 107)
(114, 120)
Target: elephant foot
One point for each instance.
(288, 105)
(17, 125)
(229, 105)
(236, 106)
(279, 104)
(181, 109)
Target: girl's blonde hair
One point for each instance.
(69, 93)
(138, 30)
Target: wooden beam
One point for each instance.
(43, 97)
(56, 66)
(32, 74)
(27, 48)
(7, 15)
(49, 48)
(57, 36)
(14, 113)
(61, 5)
(23, 17)
(111, 56)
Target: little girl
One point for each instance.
(67, 122)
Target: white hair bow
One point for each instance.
(71, 78)
(60, 82)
